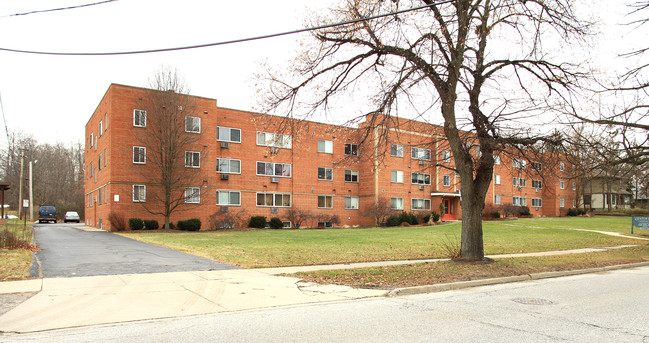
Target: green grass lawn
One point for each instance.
(271, 248)
(600, 223)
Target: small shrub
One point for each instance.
(435, 216)
(426, 218)
(135, 224)
(117, 222)
(495, 214)
(509, 210)
(524, 211)
(408, 217)
(193, 224)
(581, 211)
(276, 223)
(393, 221)
(572, 212)
(151, 224)
(258, 222)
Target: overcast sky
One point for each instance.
(52, 97)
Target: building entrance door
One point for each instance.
(448, 214)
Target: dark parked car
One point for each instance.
(47, 214)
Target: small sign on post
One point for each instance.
(640, 222)
(25, 203)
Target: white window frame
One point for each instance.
(396, 150)
(353, 149)
(194, 197)
(229, 196)
(274, 198)
(326, 197)
(497, 160)
(538, 184)
(192, 161)
(574, 203)
(537, 202)
(519, 201)
(229, 165)
(574, 186)
(446, 156)
(537, 166)
(519, 163)
(139, 118)
(142, 148)
(392, 203)
(562, 184)
(562, 166)
(415, 153)
(229, 138)
(351, 202)
(496, 179)
(92, 140)
(274, 140)
(497, 199)
(562, 202)
(351, 173)
(396, 176)
(193, 120)
(446, 180)
(327, 172)
(426, 203)
(141, 193)
(420, 183)
(327, 146)
(101, 128)
(290, 169)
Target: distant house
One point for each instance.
(602, 190)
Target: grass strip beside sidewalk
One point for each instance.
(449, 271)
(15, 264)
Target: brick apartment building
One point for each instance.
(266, 165)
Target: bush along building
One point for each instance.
(226, 166)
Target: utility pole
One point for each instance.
(31, 193)
(20, 186)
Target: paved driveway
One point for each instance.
(66, 251)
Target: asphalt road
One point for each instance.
(602, 307)
(66, 252)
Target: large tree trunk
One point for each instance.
(472, 240)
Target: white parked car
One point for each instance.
(71, 216)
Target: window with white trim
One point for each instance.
(228, 134)
(396, 203)
(496, 179)
(518, 163)
(192, 195)
(192, 159)
(273, 169)
(274, 140)
(446, 180)
(139, 155)
(101, 128)
(420, 178)
(562, 184)
(325, 146)
(574, 203)
(273, 200)
(520, 182)
(420, 204)
(537, 166)
(497, 199)
(537, 202)
(574, 186)
(139, 193)
(497, 159)
(446, 156)
(325, 173)
(519, 201)
(537, 184)
(228, 166)
(562, 166)
(562, 202)
(351, 149)
(228, 198)
(325, 201)
(396, 176)
(92, 139)
(139, 118)
(351, 203)
(420, 154)
(351, 175)
(192, 124)
(396, 150)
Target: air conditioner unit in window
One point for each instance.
(537, 190)
(273, 210)
(421, 188)
(274, 179)
(274, 150)
(225, 145)
(224, 208)
(225, 177)
(421, 162)
(520, 188)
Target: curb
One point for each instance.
(442, 287)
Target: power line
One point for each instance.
(241, 40)
(4, 118)
(57, 9)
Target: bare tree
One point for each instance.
(439, 55)
(167, 105)
(298, 216)
(381, 210)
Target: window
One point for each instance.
(537, 184)
(396, 150)
(562, 184)
(325, 201)
(446, 156)
(273, 200)
(396, 203)
(139, 118)
(227, 165)
(537, 166)
(446, 180)
(139, 155)
(562, 166)
(519, 164)
(105, 121)
(139, 193)
(396, 176)
(100, 197)
(574, 186)
(192, 195)
(92, 139)
(497, 159)
(192, 124)
(192, 159)
(325, 146)
(90, 176)
(520, 182)
(226, 134)
(421, 204)
(99, 162)
(497, 179)
(497, 199)
(325, 173)
(519, 201)
(325, 224)
(420, 154)
(574, 203)
(105, 157)
(420, 178)
(537, 202)
(351, 175)
(273, 169)
(351, 149)
(351, 203)
(228, 198)
(275, 140)
(562, 202)
(101, 128)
